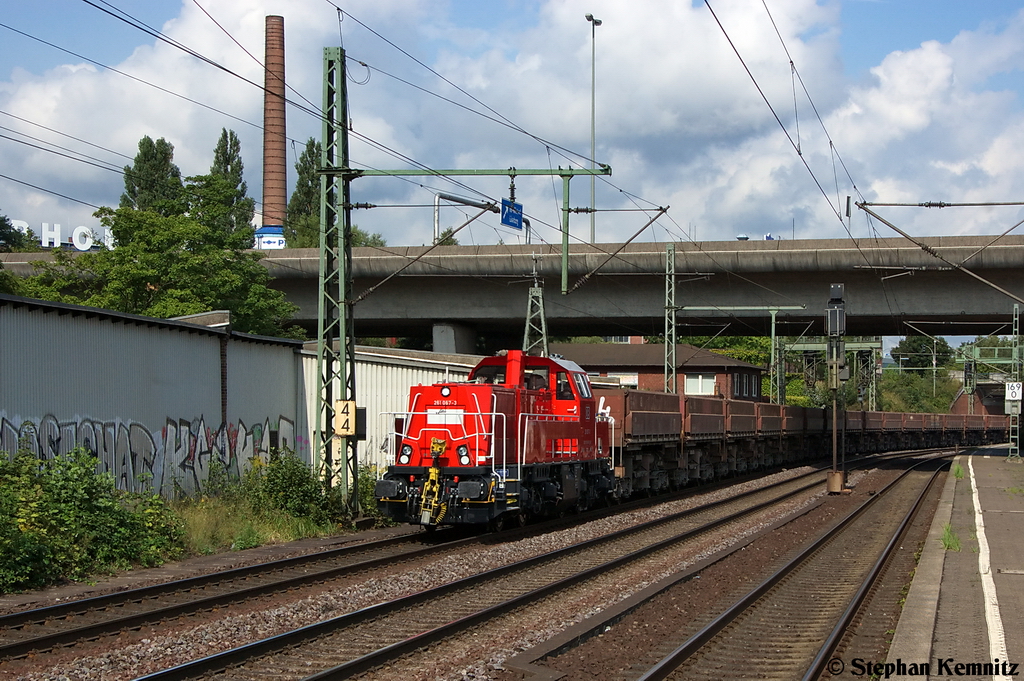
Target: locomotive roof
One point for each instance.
(532, 360)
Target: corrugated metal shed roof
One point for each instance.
(594, 355)
(47, 306)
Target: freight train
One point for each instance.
(530, 436)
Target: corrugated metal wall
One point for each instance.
(382, 385)
(147, 395)
(144, 395)
(266, 397)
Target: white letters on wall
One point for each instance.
(82, 238)
(50, 237)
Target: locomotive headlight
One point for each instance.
(406, 454)
(463, 452)
(445, 391)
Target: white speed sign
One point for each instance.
(1013, 391)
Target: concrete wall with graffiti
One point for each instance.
(157, 401)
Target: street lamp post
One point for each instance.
(594, 23)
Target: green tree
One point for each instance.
(302, 222)
(447, 238)
(8, 282)
(755, 350)
(361, 237)
(911, 391)
(153, 182)
(167, 267)
(11, 239)
(988, 342)
(916, 352)
(9, 236)
(214, 200)
(227, 164)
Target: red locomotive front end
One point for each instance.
(521, 438)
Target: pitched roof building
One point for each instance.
(698, 372)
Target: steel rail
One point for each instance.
(600, 622)
(259, 649)
(50, 614)
(817, 665)
(664, 668)
(108, 601)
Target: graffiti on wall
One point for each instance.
(176, 457)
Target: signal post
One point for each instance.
(838, 371)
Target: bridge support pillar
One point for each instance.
(453, 338)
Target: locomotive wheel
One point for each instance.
(497, 524)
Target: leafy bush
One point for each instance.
(61, 519)
(368, 474)
(285, 483)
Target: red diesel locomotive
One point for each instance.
(522, 437)
(528, 436)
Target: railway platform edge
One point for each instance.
(965, 605)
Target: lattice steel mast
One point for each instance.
(335, 353)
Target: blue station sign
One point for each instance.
(511, 214)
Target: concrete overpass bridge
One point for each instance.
(459, 292)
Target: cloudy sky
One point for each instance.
(918, 101)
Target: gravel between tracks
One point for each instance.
(461, 658)
(217, 633)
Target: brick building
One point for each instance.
(698, 372)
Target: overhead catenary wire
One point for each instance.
(931, 251)
(62, 134)
(140, 80)
(556, 228)
(775, 114)
(102, 165)
(857, 191)
(810, 99)
(50, 191)
(128, 75)
(127, 18)
(835, 155)
(90, 160)
(165, 90)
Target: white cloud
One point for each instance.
(678, 117)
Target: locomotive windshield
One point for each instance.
(489, 374)
(582, 385)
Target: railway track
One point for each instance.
(38, 630)
(41, 629)
(369, 638)
(788, 626)
(34, 631)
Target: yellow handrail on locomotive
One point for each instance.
(431, 511)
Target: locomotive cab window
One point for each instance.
(537, 377)
(563, 389)
(489, 374)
